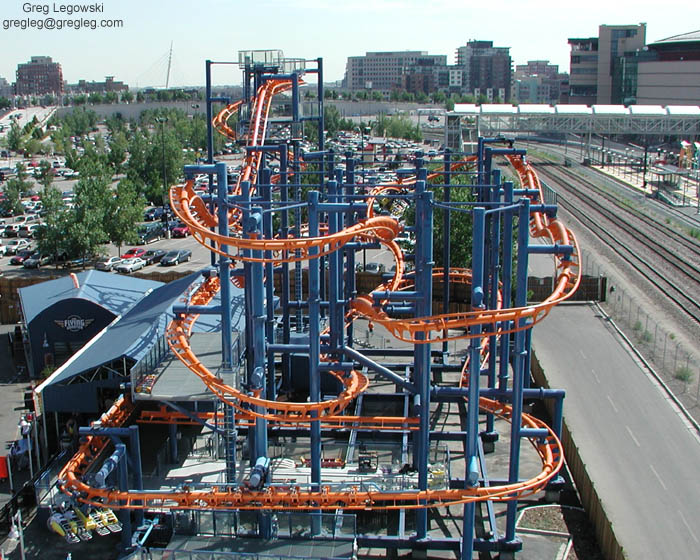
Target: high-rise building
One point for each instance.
(387, 71)
(538, 81)
(38, 76)
(487, 70)
(6, 89)
(595, 60)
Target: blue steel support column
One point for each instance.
(335, 279)
(504, 355)
(472, 452)
(424, 285)
(226, 314)
(518, 365)
(135, 452)
(350, 284)
(253, 227)
(314, 355)
(123, 478)
(298, 274)
(446, 249)
(224, 266)
(210, 134)
(321, 116)
(266, 192)
(284, 234)
(492, 267)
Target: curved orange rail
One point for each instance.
(185, 203)
(279, 497)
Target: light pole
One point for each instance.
(162, 121)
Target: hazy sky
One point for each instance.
(334, 30)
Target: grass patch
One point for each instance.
(684, 374)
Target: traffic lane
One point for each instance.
(638, 451)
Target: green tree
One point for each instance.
(87, 226)
(460, 225)
(32, 146)
(163, 144)
(45, 174)
(125, 212)
(13, 196)
(118, 146)
(52, 235)
(127, 97)
(15, 139)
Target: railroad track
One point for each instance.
(612, 221)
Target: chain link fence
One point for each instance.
(678, 366)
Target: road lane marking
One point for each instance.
(658, 477)
(612, 404)
(582, 354)
(688, 527)
(595, 375)
(632, 436)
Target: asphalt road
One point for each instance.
(641, 455)
(23, 116)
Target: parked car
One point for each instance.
(156, 213)
(36, 260)
(180, 230)
(153, 256)
(130, 265)
(15, 245)
(21, 256)
(28, 230)
(151, 232)
(376, 268)
(11, 230)
(178, 256)
(108, 263)
(134, 252)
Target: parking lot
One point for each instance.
(200, 258)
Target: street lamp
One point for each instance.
(162, 121)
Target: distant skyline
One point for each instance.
(137, 52)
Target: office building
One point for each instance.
(387, 71)
(595, 60)
(38, 76)
(538, 81)
(109, 85)
(668, 71)
(486, 70)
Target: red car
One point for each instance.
(22, 256)
(181, 230)
(133, 253)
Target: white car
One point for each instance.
(130, 265)
(14, 245)
(108, 263)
